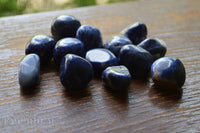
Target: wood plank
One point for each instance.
(140, 109)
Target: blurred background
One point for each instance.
(15, 7)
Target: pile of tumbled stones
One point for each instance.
(78, 51)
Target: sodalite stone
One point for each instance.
(67, 46)
(101, 59)
(64, 26)
(156, 47)
(29, 71)
(43, 46)
(75, 72)
(116, 77)
(168, 73)
(90, 36)
(115, 43)
(136, 59)
(136, 32)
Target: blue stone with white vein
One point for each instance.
(116, 77)
(29, 71)
(168, 73)
(101, 59)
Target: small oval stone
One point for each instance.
(155, 46)
(101, 59)
(90, 36)
(136, 59)
(67, 46)
(29, 71)
(43, 46)
(116, 77)
(75, 72)
(64, 26)
(115, 43)
(168, 73)
(136, 32)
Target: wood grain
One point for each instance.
(141, 109)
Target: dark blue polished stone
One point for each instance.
(156, 47)
(75, 72)
(136, 59)
(64, 26)
(101, 59)
(67, 46)
(43, 46)
(116, 77)
(136, 32)
(90, 36)
(29, 71)
(168, 73)
(115, 43)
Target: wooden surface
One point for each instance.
(140, 109)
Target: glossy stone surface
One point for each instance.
(29, 71)
(155, 46)
(101, 59)
(168, 73)
(75, 72)
(43, 46)
(116, 77)
(64, 26)
(67, 46)
(136, 32)
(115, 43)
(90, 36)
(136, 59)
